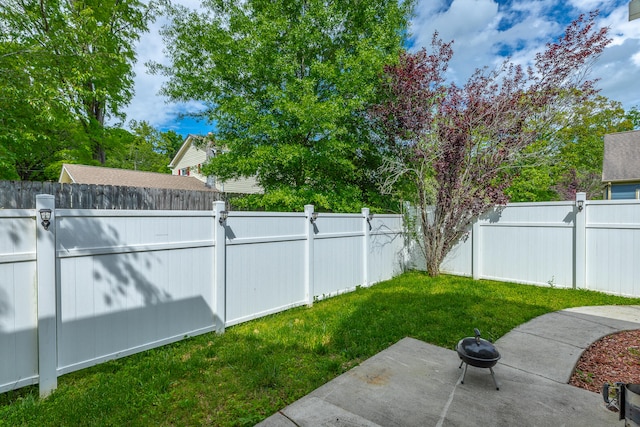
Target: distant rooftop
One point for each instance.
(621, 157)
(82, 174)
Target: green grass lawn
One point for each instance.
(256, 368)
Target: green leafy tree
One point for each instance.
(574, 162)
(582, 146)
(145, 149)
(287, 84)
(64, 64)
(28, 110)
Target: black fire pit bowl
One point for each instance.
(478, 352)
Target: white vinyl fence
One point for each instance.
(102, 284)
(556, 244)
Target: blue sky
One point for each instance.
(484, 31)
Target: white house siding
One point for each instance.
(242, 186)
(191, 159)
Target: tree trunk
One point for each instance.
(434, 253)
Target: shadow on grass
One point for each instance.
(258, 367)
(284, 357)
(440, 312)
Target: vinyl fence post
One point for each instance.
(220, 255)
(309, 270)
(366, 244)
(580, 250)
(46, 276)
(475, 249)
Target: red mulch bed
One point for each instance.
(614, 358)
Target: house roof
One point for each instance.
(82, 174)
(621, 157)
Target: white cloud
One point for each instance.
(147, 103)
(587, 5)
(484, 32)
(619, 66)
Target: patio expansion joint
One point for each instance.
(550, 339)
(537, 374)
(592, 318)
(281, 412)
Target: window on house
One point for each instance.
(184, 171)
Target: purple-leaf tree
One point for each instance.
(455, 145)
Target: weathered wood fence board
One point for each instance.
(22, 195)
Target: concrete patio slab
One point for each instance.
(413, 383)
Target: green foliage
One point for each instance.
(582, 143)
(533, 184)
(65, 66)
(571, 158)
(287, 84)
(256, 368)
(147, 149)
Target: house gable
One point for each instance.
(189, 160)
(65, 176)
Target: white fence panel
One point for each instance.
(596, 247)
(523, 242)
(613, 246)
(338, 253)
(529, 243)
(18, 300)
(387, 248)
(117, 269)
(102, 284)
(460, 260)
(265, 264)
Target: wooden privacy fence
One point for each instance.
(583, 244)
(22, 195)
(96, 285)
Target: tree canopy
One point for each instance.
(145, 149)
(65, 66)
(288, 84)
(455, 145)
(574, 162)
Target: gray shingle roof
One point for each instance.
(621, 157)
(82, 174)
